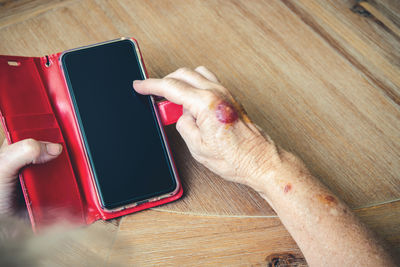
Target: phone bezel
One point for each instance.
(83, 139)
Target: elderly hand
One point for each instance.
(215, 128)
(219, 135)
(13, 158)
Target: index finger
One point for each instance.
(174, 90)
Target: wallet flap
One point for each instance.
(50, 189)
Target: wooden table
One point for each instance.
(321, 77)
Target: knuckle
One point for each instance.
(31, 147)
(210, 96)
(183, 70)
(169, 82)
(201, 67)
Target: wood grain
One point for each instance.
(386, 12)
(218, 240)
(322, 78)
(12, 12)
(383, 219)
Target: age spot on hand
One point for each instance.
(330, 199)
(327, 199)
(226, 113)
(287, 188)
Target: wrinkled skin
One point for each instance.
(237, 150)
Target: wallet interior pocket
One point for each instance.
(45, 134)
(30, 121)
(51, 188)
(26, 94)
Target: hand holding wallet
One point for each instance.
(35, 103)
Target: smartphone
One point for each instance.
(121, 131)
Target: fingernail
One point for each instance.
(53, 149)
(137, 82)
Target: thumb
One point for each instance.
(29, 151)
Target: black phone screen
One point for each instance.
(124, 142)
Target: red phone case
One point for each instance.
(35, 103)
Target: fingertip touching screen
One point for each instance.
(123, 139)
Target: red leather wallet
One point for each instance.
(35, 103)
